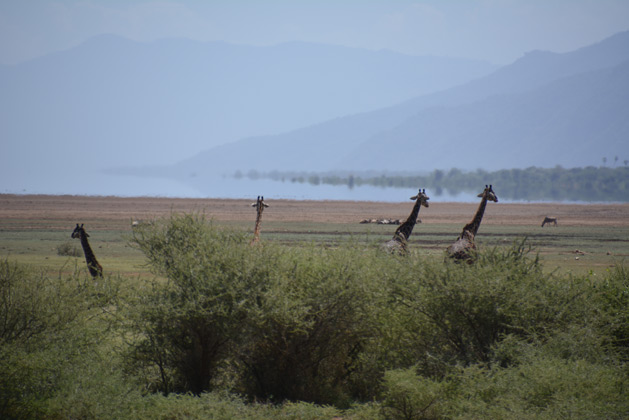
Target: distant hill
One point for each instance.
(115, 102)
(574, 122)
(545, 109)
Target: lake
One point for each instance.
(216, 187)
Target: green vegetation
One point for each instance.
(588, 184)
(226, 330)
(67, 249)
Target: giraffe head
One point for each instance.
(422, 197)
(259, 204)
(489, 194)
(78, 231)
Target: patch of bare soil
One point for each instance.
(51, 211)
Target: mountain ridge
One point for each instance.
(584, 118)
(533, 71)
(212, 93)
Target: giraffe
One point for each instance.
(460, 249)
(549, 220)
(259, 205)
(398, 243)
(96, 270)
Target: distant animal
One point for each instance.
(398, 244)
(390, 221)
(96, 270)
(462, 248)
(139, 222)
(549, 220)
(384, 221)
(259, 205)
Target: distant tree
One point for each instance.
(590, 183)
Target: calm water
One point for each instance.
(102, 184)
(218, 187)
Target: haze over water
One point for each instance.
(230, 187)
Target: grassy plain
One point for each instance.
(496, 339)
(589, 237)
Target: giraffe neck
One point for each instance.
(256, 230)
(90, 258)
(406, 228)
(473, 226)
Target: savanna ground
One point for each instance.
(589, 237)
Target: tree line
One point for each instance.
(589, 184)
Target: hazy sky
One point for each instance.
(496, 30)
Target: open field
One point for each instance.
(590, 237)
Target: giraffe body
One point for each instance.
(96, 270)
(464, 246)
(398, 244)
(259, 205)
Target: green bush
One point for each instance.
(502, 339)
(311, 327)
(188, 324)
(613, 302)
(277, 324)
(456, 313)
(347, 324)
(50, 330)
(409, 396)
(543, 386)
(34, 323)
(68, 249)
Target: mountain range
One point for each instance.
(113, 102)
(545, 109)
(189, 110)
